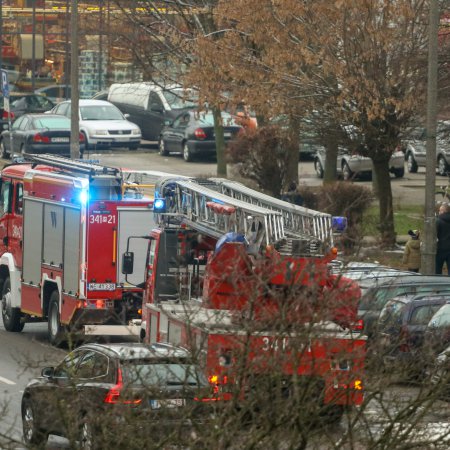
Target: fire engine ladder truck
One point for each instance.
(262, 219)
(82, 167)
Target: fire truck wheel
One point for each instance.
(332, 414)
(11, 316)
(55, 330)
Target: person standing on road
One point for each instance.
(443, 239)
(411, 255)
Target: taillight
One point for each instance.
(114, 395)
(6, 115)
(81, 137)
(38, 138)
(200, 133)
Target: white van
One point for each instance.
(149, 105)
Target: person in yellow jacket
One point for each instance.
(411, 256)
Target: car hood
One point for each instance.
(108, 124)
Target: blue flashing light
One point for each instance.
(83, 197)
(159, 205)
(339, 224)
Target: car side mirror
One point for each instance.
(168, 123)
(48, 372)
(127, 263)
(126, 115)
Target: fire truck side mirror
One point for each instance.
(127, 263)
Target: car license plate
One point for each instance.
(227, 134)
(60, 139)
(167, 403)
(101, 286)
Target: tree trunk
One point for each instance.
(386, 226)
(220, 143)
(330, 169)
(293, 152)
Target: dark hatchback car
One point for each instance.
(38, 133)
(100, 395)
(401, 329)
(192, 134)
(376, 296)
(21, 103)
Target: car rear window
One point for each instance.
(422, 314)
(53, 123)
(162, 374)
(392, 313)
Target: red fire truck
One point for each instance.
(63, 224)
(243, 280)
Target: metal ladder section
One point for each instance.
(216, 214)
(298, 222)
(82, 167)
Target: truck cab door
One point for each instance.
(6, 196)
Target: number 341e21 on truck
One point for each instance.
(63, 224)
(243, 280)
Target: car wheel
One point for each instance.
(32, 433)
(4, 154)
(22, 149)
(162, 148)
(442, 166)
(11, 316)
(411, 164)
(399, 173)
(187, 155)
(347, 174)
(318, 168)
(55, 330)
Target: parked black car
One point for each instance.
(401, 329)
(21, 103)
(437, 336)
(116, 391)
(38, 133)
(192, 133)
(376, 296)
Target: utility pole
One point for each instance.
(429, 241)
(74, 117)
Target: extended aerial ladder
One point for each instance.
(264, 220)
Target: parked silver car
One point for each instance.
(351, 165)
(416, 153)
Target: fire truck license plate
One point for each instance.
(167, 403)
(101, 286)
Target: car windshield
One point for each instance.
(100, 112)
(176, 98)
(52, 123)
(146, 373)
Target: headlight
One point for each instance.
(135, 131)
(99, 132)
